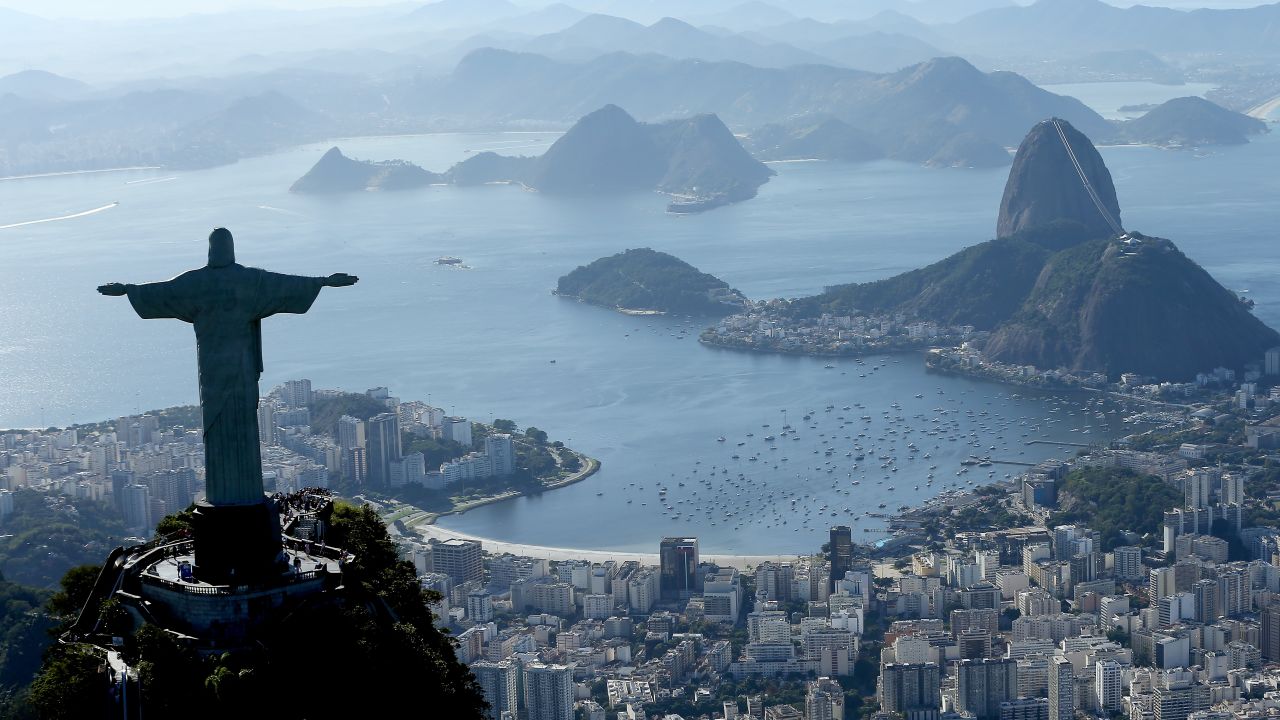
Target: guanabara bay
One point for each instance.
(640, 360)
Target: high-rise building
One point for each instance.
(137, 508)
(823, 700)
(354, 465)
(350, 432)
(461, 560)
(266, 422)
(1232, 489)
(382, 446)
(1033, 677)
(1269, 637)
(1206, 600)
(500, 682)
(841, 553)
(1128, 562)
(775, 580)
(1196, 486)
(548, 692)
(1162, 582)
(1107, 686)
(907, 688)
(479, 606)
(1062, 694)
(120, 479)
(175, 487)
(981, 685)
(1234, 593)
(296, 393)
(1271, 361)
(501, 453)
(678, 565)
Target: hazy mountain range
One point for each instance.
(845, 80)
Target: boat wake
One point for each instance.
(60, 217)
(78, 172)
(271, 208)
(151, 181)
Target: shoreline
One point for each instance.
(806, 353)
(590, 467)
(741, 562)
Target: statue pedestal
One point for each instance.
(236, 544)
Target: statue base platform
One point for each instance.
(237, 544)
(227, 584)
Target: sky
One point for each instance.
(117, 9)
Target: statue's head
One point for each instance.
(222, 250)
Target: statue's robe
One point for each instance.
(226, 305)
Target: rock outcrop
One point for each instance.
(1137, 305)
(1044, 186)
(337, 173)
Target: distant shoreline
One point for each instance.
(635, 312)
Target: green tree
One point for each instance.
(506, 426)
(76, 586)
(179, 522)
(536, 435)
(72, 685)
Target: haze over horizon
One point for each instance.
(140, 9)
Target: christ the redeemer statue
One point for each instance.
(226, 303)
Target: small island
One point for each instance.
(642, 281)
(337, 173)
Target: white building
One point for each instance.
(501, 452)
(722, 595)
(1107, 686)
(597, 606)
(548, 692)
(457, 429)
(409, 470)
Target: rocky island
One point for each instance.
(1062, 288)
(696, 161)
(337, 173)
(645, 281)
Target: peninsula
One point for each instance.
(1191, 122)
(645, 281)
(1063, 289)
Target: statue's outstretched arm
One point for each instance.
(340, 280)
(113, 289)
